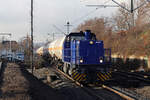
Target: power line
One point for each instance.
(59, 29)
(91, 12)
(132, 5)
(121, 5)
(102, 6)
(106, 1)
(132, 8)
(84, 16)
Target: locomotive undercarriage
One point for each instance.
(86, 73)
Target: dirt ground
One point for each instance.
(17, 84)
(145, 91)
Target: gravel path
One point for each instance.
(145, 91)
(17, 84)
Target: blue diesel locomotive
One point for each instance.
(82, 56)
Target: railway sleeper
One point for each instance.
(128, 83)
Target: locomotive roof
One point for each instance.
(80, 34)
(76, 34)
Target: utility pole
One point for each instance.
(132, 8)
(31, 56)
(132, 12)
(68, 27)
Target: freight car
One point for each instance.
(81, 56)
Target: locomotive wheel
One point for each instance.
(70, 71)
(65, 68)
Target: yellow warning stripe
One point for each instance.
(76, 76)
(103, 76)
(82, 78)
(106, 76)
(100, 77)
(79, 76)
(109, 74)
(74, 73)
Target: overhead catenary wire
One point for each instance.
(132, 4)
(84, 16)
(106, 2)
(91, 12)
(88, 14)
(97, 0)
(59, 29)
(77, 20)
(104, 6)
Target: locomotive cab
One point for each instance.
(85, 58)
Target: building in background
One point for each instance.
(11, 50)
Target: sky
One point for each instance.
(48, 14)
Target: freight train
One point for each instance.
(80, 55)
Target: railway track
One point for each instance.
(141, 77)
(76, 91)
(103, 92)
(144, 73)
(130, 82)
(91, 90)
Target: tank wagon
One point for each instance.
(40, 51)
(82, 56)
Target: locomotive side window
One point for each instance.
(77, 38)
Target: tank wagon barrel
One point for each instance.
(82, 56)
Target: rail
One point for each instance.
(117, 91)
(134, 75)
(132, 93)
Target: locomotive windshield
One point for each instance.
(79, 36)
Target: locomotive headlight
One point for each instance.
(81, 60)
(101, 61)
(91, 42)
